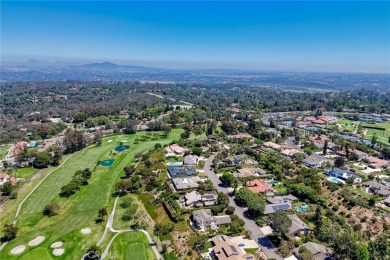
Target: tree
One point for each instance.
(51, 209)
(339, 162)
(230, 210)
(185, 135)
(325, 149)
(93, 252)
(386, 153)
(129, 171)
(9, 231)
(74, 141)
(6, 188)
(197, 151)
(197, 130)
(281, 223)
(157, 146)
(305, 254)
(69, 189)
(347, 151)
(83, 176)
(374, 140)
(210, 127)
(362, 252)
(227, 179)
(298, 158)
(200, 242)
(79, 117)
(99, 137)
(43, 160)
(122, 186)
(380, 248)
(102, 213)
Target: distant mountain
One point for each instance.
(33, 63)
(100, 65)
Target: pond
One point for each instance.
(107, 162)
(121, 148)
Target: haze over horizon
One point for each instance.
(301, 36)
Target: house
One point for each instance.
(327, 119)
(191, 159)
(259, 186)
(14, 181)
(361, 155)
(387, 201)
(242, 136)
(318, 122)
(290, 152)
(319, 252)
(19, 146)
(298, 227)
(225, 249)
(248, 172)
(186, 183)
(3, 178)
(174, 150)
(315, 161)
(342, 174)
(310, 119)
(282, 199)
(272, 145)
(271, 208)
(238, 159)
(194, 199)
(203, 218)
(377, 163)
(175, 172)
(302, 124)
(376, 188)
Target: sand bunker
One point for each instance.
(18, 250)
(36, 241)
(56, 245)
(109, 141)
(85, 231)
(58, 252)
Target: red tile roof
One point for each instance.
(258, 186)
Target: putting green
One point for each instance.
(36, 253)
(132, 245)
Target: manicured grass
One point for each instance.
(383, 135)
(348, 125)
(37, 253)
(80, 210)
(4, 150)
(24, 173)
(131, 245)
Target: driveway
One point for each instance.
(255, 232)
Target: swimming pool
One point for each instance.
(272, 183)
(107, 162)
(121, 148)
(32, 144)
(174, 163)
(335, 180)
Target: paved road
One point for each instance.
(255, 232)
(291, 142)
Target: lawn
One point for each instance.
(383, 135)
(23, 173)
(4, 150)
(80, 210)
(131, 245)
(348, 125)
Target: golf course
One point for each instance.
(80, 210)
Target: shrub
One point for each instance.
(51, 209)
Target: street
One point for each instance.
(250, 225)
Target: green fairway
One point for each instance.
(4, 150)
(131, 245)
(80, 210)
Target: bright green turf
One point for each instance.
(80, 210)
(4, 150)
(37, 253)
(132, 245)
(383, 136)
(23, 173)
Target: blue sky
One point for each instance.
(309, 35)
